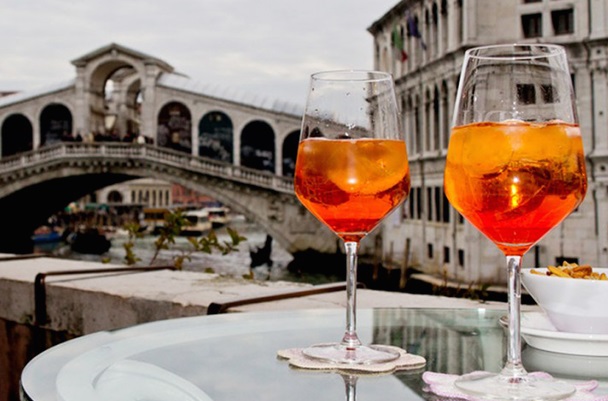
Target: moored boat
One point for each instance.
(198, 222)
(89, 241)
(46, 234)
(218, 215)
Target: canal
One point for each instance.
(234, 264)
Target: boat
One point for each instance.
(154, 219)
(218, 215)
(198, 222)
(89, 240)
(46, 235)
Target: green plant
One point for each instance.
(174, 222)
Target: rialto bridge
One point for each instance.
(128, 115)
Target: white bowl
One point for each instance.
(572, 305)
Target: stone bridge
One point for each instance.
(37, 183)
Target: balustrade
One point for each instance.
(118, 151)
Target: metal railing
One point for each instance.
(40, 313)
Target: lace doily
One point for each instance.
(442, 384)
(405, 361)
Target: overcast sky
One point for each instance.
(262, 47)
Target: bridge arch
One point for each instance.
(101, 70)
(175, 127)
(289, 152)
(216, 136)
(56, 123)
(17, 135)
(258, 146)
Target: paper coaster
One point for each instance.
(405, 361)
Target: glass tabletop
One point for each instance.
(233, 357)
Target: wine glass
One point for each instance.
(351, 171)
(515, 169)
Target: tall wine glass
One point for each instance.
(351, 171)
(515, 169)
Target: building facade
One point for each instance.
(422, 43)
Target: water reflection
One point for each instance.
(457, 342)
(350, 386)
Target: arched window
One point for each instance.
(55, 124)
(444, 25)
(17, 135)
(428, 133)
(114, 197)
(436, 121)
(257, 146)
(445, 113)
(290, 151)
(417, 125)
(175, 127)
(215, 137)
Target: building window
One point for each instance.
(437, 201)
(572, 77)
(549, 94)
(419, 203)
(445, 208)
(532, 1)
(532, 25)
(563, 21)
(446, 254)
(429, 203)
(410, 204)
(429, 251)
(461, 257)
(526, 94)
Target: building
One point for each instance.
(422, 43)
(146, 192)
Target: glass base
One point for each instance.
(492, 386)
(361, 355)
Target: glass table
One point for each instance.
(233, 357)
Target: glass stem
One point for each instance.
(350, 339)
(514, 368)
(350, 386)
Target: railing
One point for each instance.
(119, 151)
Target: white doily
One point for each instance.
(405, 361)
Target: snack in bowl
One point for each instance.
(574, 298)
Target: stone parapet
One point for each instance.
(89, 302)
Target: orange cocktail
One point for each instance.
(515, 181)
(351, 184)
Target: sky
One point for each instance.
(260, 47)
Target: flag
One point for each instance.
(412, 30)
(399, 45)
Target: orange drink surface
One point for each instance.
(514, 180)
(351, 184)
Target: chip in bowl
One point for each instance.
(574, 298)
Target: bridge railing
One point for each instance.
(117, 150)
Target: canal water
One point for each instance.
(234, 264)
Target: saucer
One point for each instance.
(573, 367)
(539, 332)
